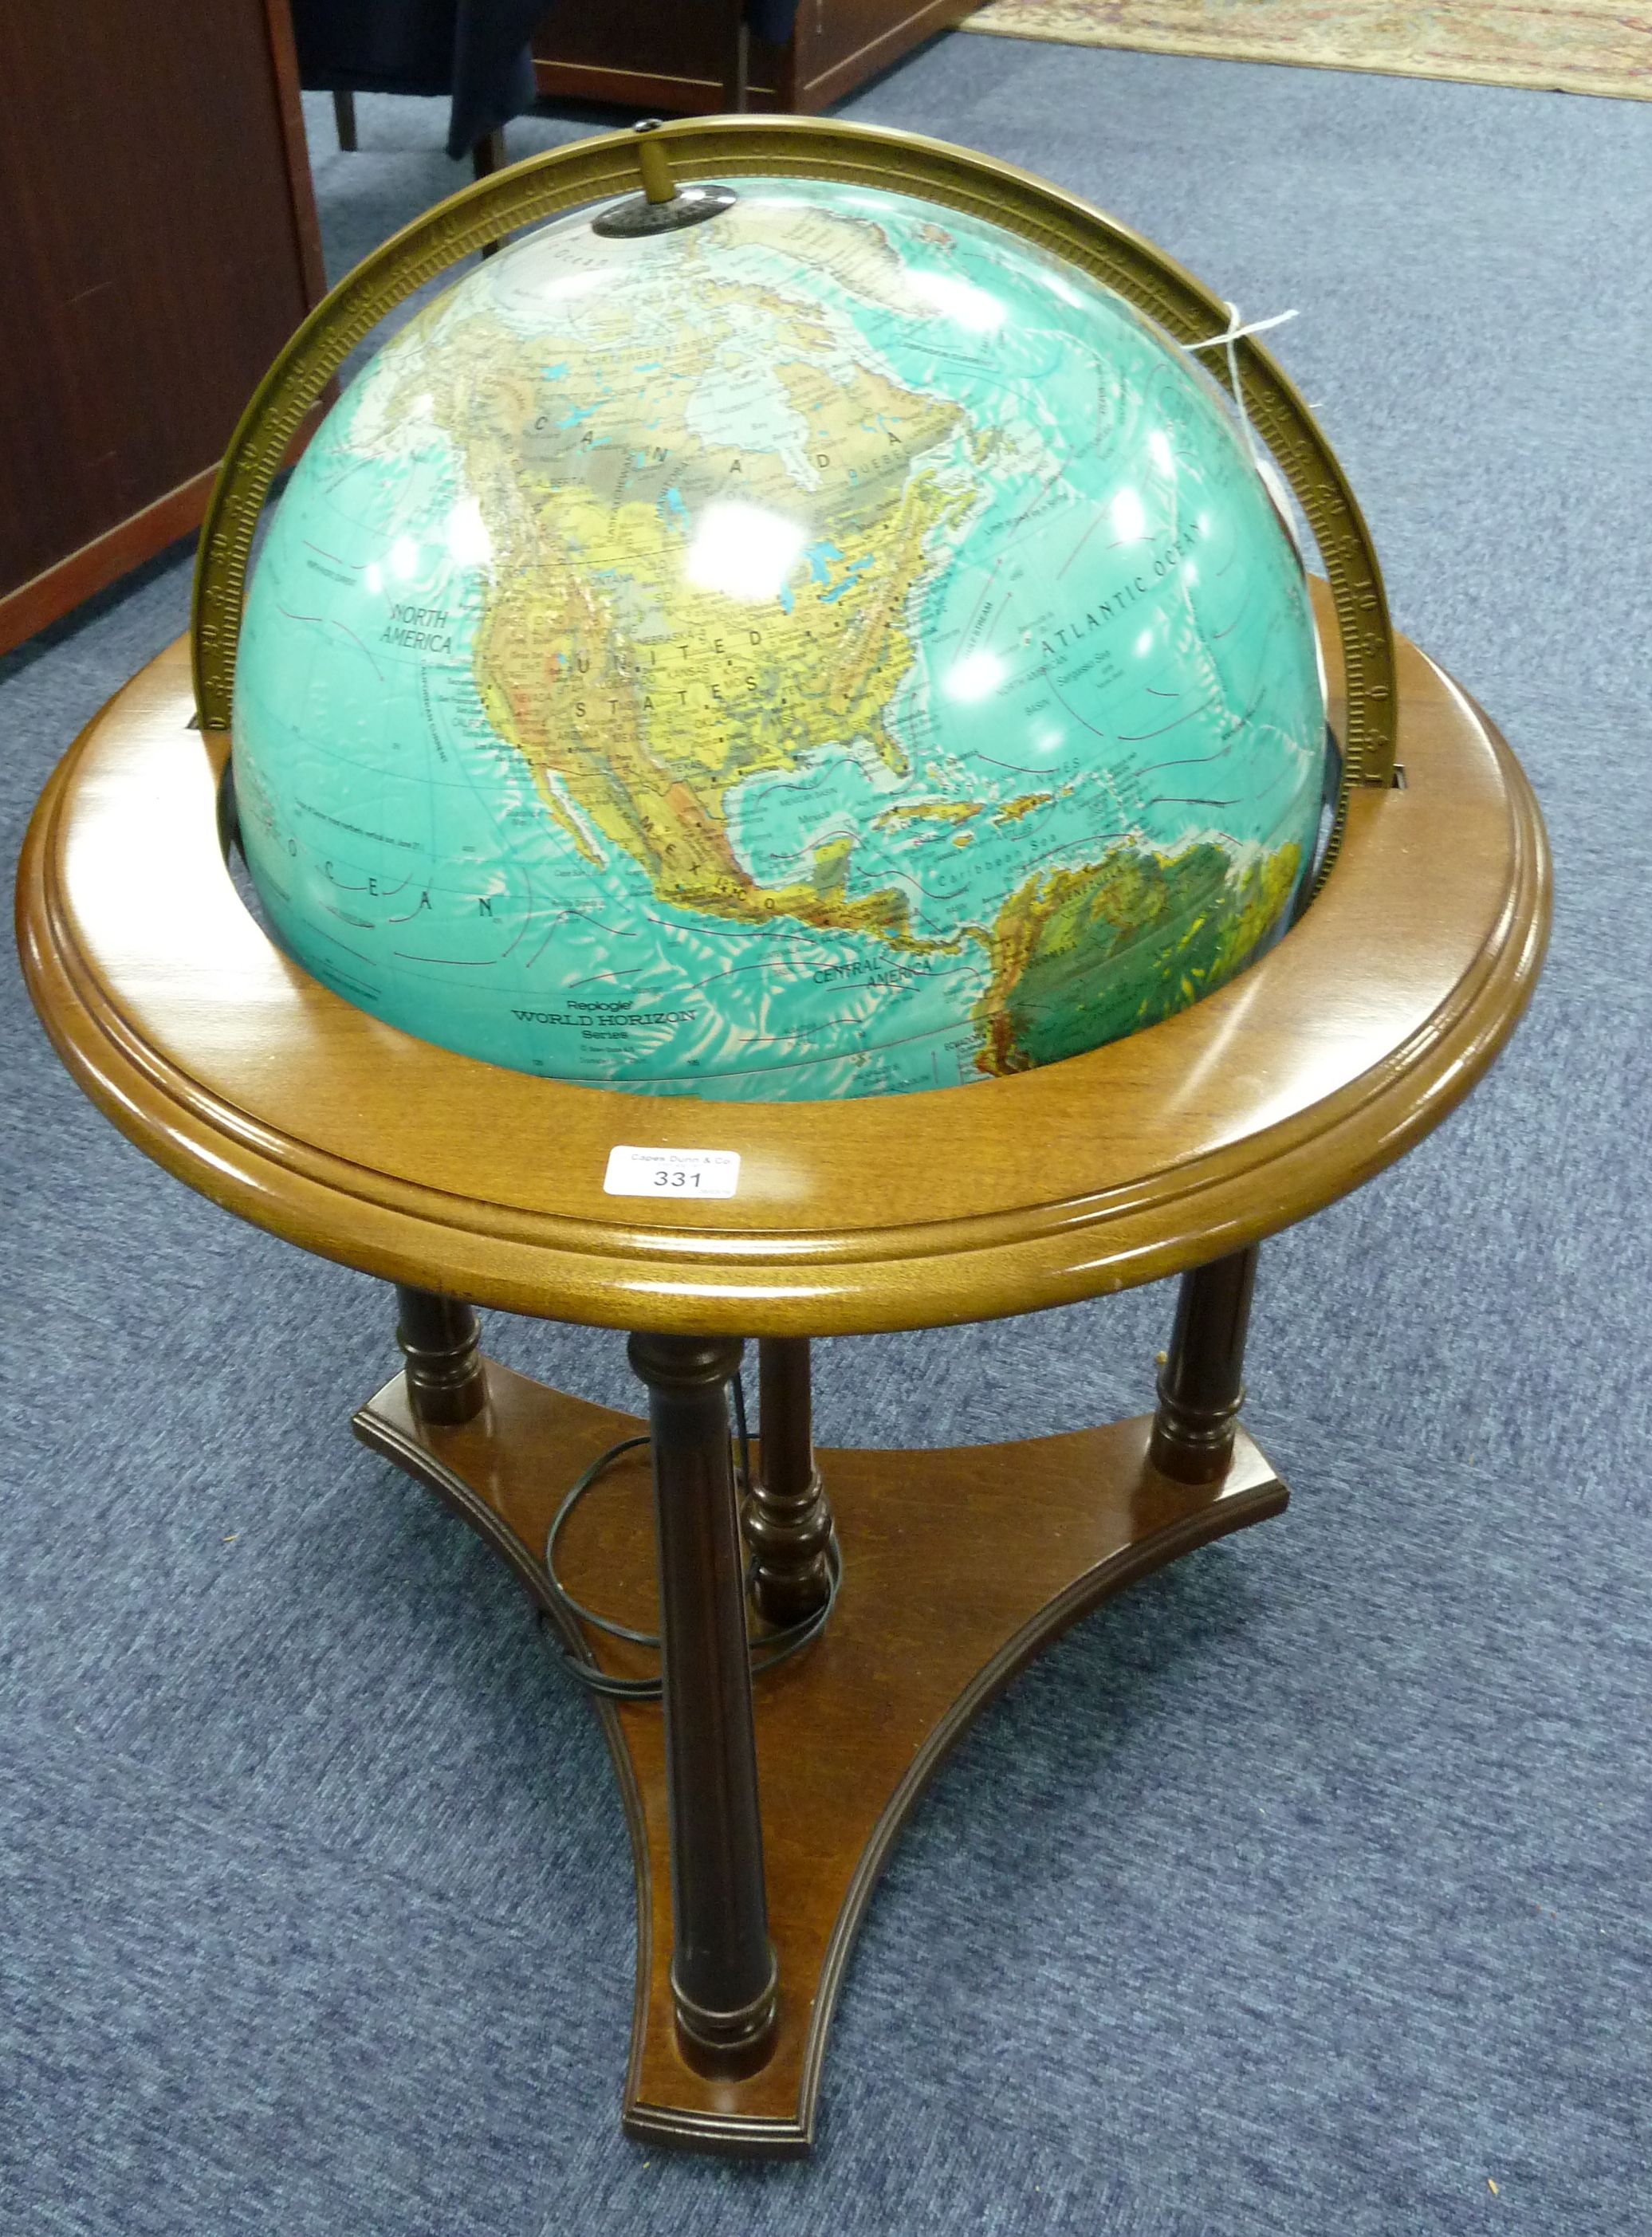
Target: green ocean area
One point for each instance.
(1107, 732)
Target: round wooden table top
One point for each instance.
(252, 1082)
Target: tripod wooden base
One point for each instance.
(959, 1566)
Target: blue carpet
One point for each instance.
(1301, 1891)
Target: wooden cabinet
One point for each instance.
(673, 58)
(159, 245)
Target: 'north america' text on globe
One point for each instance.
(830, 650)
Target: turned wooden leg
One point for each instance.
(736, 49)
(488, 155)
(788, 1522)
(344, 121)
(1201, 1385)
(446, 1382)
(723, 1975)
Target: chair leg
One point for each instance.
(344, 119)
(487, 156)
(737, 50)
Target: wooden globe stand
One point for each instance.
(760, 1820)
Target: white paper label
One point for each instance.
(670, 1172)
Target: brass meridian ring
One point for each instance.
(791, 146)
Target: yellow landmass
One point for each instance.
(1013, 810)
(957, 811)
(855, 251)
(639, 698)
(926, 811)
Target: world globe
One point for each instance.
(831, 649)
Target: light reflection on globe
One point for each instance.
(830, 650)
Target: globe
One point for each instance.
(831, 649)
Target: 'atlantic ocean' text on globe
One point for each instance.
(830, 650)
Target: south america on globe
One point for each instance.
(833, 649)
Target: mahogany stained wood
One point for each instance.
(947, 1592)
(1318, 1066)
(788, 1518)
(440, 1340)
(103, 559)
(1201, 1386)
(1179, 1146)
(642, 55)
(721, 1965)
(160, 245)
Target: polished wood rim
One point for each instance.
(248, 1079)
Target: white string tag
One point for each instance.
(1236, 333)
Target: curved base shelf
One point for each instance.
(959, 1566)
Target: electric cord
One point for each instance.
(767, 1652)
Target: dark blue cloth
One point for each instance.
(477, 50)
(772, 20)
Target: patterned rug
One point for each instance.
(1568, 46)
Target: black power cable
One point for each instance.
(768, 1651)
